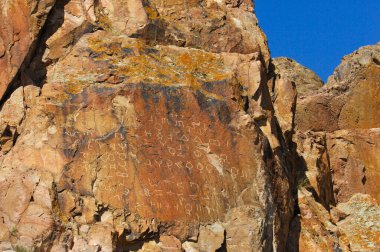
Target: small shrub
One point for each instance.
(19, 248)
(303, 182)
(13, 231)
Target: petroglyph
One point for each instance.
(158, 156)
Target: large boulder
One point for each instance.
(137, 142)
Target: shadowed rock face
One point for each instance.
(21, 23)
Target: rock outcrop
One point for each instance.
(145, 132)
(350, 98)
(20, 27)
(133, 125)
(335, 145)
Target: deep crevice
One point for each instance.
(33, 70)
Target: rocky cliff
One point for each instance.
(133, 125)
(334, 140)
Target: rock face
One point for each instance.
(350, 99)
(335, 145)
(130, 125)
(144, 132)
(307, 81)
(20, 26)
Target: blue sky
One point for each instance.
(318, 34)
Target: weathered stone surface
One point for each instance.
(312, 229)
(337, 148)
(347, 109)
(348, 102)
(68, 21)
(153, 140)
(21, 22)
(288, 82)
(355, 162)
(216, 26)
(361, 224)
(307, 81)
(138, 125)
(242, 226)
(353, 63)
(313, 166)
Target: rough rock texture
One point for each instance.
(148, 131)
(350, 99)
(212, 25)
(355, 162)
(307, 81)
(335, 148)
(20, 26)
(360, 223)
(133, 125)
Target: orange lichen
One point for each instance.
(135, 62)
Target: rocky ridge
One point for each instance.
(131, 125)
(334, 139)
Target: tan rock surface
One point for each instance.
(350, 101)
(361, 226)
(289, 82)
(307, 81)
(355, 162)
(216, 26)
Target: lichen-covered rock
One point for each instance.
(147, 141)
(216, 26)
(360, 223)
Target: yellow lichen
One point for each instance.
(162, 65)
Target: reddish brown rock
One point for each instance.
(216, 26)
(355, 163)
(166, 149)
(20, 26)
(350, 99)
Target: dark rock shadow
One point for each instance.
(53, 22)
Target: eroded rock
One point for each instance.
(20, 26)
(159, 145)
